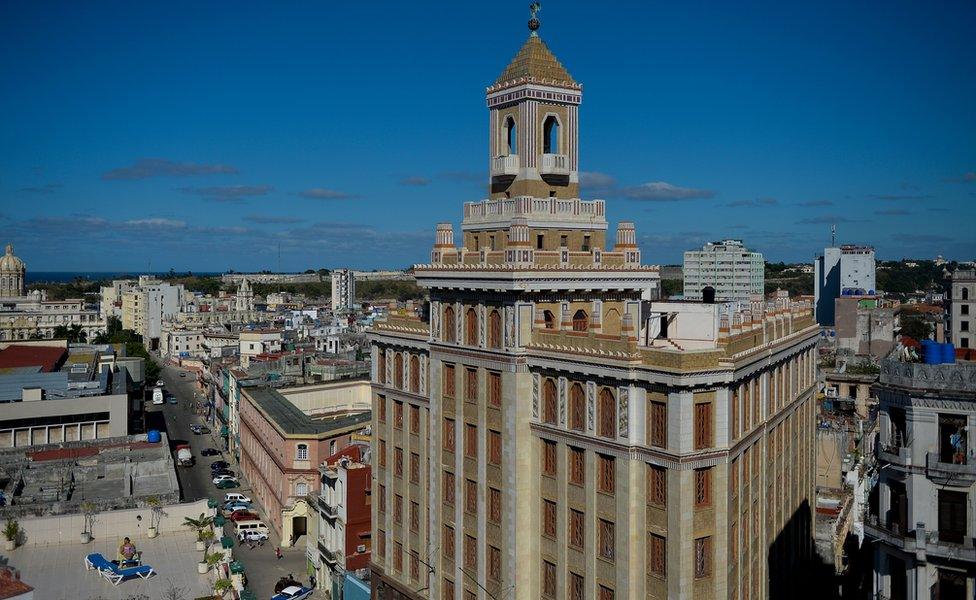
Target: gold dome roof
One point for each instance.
(10, 263)
(536, 63)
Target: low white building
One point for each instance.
(258, 341)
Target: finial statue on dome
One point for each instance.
(534, 22)
(10, 249)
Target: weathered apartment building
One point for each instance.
(550, 431)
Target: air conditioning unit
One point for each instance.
(361, 548)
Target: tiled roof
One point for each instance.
(536, 62)
(48, 358)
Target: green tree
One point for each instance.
(915, 327)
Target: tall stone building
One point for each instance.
(552, 432)
(13, 275)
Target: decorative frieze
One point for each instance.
(623, 412)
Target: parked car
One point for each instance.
(233, 507)
(219, 464)
(203, 430)
(244, 515)
(210, 452)
(252, 536)
(227, 484)
(195, 427)
(235, 497)
(293, 592)
(220, 478)
(173, 400)
(216, 472)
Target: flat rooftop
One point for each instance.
(292, 421)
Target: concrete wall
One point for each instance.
(350, 395)
(116, 405)
(112, 525)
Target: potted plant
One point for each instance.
(201, 526)
(222, 586)
(211, 560)
(88, 513)
(11, 530)
(205, 538)
(155, 511)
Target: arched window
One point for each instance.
(301, 452)
(494, 329)
(549, 402)
(608, 414)
(580, 321)
(550, 135)
(450, 325)
(511, 136)
(549, 318)
(415, 374)
(398, 370)
(471, 327)
(965, 293)
(577, 408)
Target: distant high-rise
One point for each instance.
(727, 266)
(963, 309)
(843, 270)
(343, 289)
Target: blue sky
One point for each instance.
(206, 136)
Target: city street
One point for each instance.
(262, 568)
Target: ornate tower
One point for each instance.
(534, 125)
(245, 297)
(12, 274)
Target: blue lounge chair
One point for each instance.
(113, 572)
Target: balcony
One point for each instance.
(505, 166)
(898, 456)
(331, 557)
(554, 164)
(920, 542)
(947, 473)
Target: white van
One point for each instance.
(257, 526)
(235, 497)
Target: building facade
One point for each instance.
(839, 272)
(146, 306)
(13, 275)
(962, 310)
(343, 290)
(925, 520)
(548, 432)
(728, 267)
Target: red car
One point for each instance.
(243, 515)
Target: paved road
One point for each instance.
(262, 568)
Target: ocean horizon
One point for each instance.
(66, 276)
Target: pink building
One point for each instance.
(281, 448)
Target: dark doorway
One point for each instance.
(299, 526)
(952, 516)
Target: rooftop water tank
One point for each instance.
(154, 437)
(948, 353)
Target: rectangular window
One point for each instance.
(703, 557)
(414, 517)
(381, 506)
(494, 505)
(383, 454)
(606, 543)
(576, 587)
(447, 542)
(494, 563)
(301, 453)
(735, 414)
(577, 466)
(703, 487)
(398, 462)
(494, 388)
(657, 555)
(548, 579)
(448, 590)
(449, 488)
(586, 243)
(657, 485)
(414, 419)
(494, 447)
(398, 509)
(397, 414)
(606, 484)
(414, 467)
(471, 496)
(381, 542)
(470, 552)
(703, 425)
(548, 458)
(381, 408)
(471, 440)
(471, 385)
(605, 593)
(549, 519)
(414, 566)
(449, 381)
(450, 441)
(577, 529)
(659, 424)
(539, 241)
(381, 366)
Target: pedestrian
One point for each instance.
(278, 552)
(311, 581)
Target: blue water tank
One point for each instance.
(154, 437)
(948, 353)
(931, 353)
